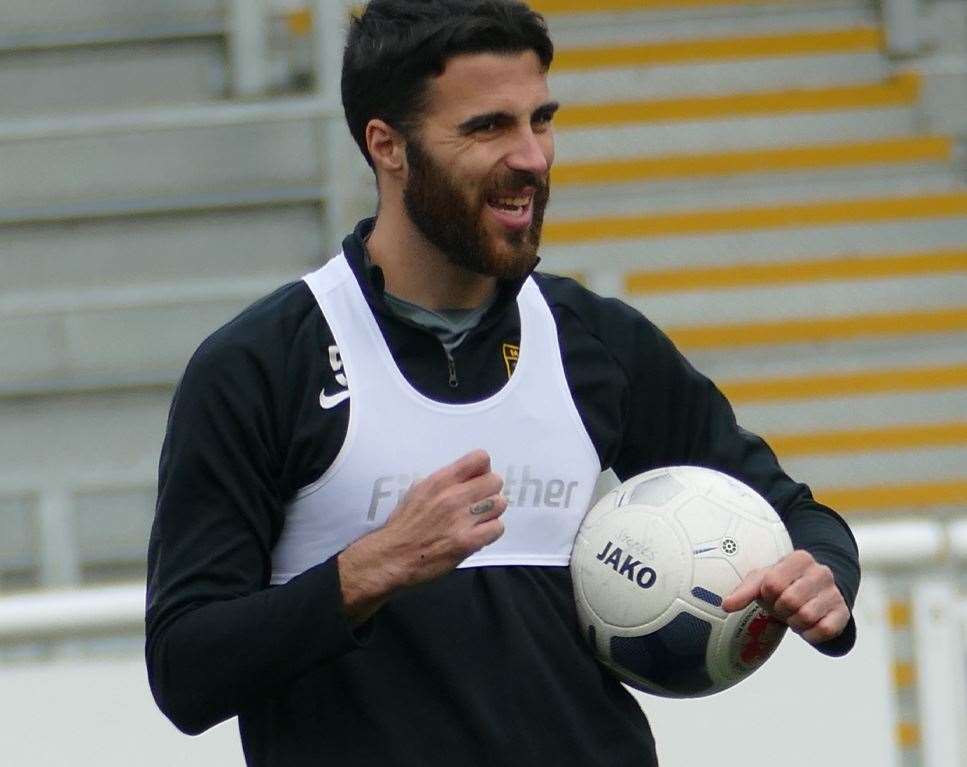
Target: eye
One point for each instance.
(488, 127)
(543, 120)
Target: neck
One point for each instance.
(416, 271)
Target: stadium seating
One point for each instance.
(790, 219)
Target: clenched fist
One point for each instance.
(441, 521)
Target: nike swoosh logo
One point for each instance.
(328, 401)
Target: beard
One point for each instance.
(438, 207)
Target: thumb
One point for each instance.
(746, 593)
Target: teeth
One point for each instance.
(513, 202)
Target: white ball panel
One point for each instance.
(703, 519)
(632, 567)
(755, 546)
(715, 574)
(656, 491)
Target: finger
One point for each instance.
(815, 581)
(466, 467)
(795, 596)
(794, 565)
(745, 594)
(485, 533)
(830, 627)
(474, 490)
(473, 464)
(810, 613)
(488, 508)
(782, 575)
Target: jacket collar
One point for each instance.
(371, 281)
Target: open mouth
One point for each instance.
(512, 209)
(511, 204)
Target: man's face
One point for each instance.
(477, 181)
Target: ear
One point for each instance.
(386, 146)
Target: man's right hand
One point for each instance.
(441, 521)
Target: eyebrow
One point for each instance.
(479, 121)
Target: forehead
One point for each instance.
(478, 83)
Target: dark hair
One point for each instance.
(395, 46)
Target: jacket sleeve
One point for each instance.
(218, 638)
(675, 415)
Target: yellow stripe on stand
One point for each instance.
(904, 674)
(899, 614)
(899, 90)
(905, 437)
(784, 216)
(299, 22)
(855, 383)
(819, 329)
(625, 170)
(602, 6)
(825, 41)
(784, 272)
(888, 498)
(908, 734)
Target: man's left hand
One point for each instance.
(798, 591)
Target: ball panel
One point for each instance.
(715, 574)
(632, 568)
(707, 596)
(752, 635)
(673, 657)
(703, 519)
(655, 491)
(755, 546)
(744, 499)
(697, 478)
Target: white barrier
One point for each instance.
(59, 613)
(902, 543)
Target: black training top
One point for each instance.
(484, 666)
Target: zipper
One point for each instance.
(452, 367)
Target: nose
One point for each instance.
(532, 153)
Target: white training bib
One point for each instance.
(531, 429)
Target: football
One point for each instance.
(652, 562)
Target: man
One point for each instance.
(372, 477)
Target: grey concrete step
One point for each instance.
(51, 16)
(734, 133)
(81, 439)
(124, 75)
(807, 359)
(140, 154)
(708, 19)
(868, 411)
(165, 247)
(879, 467)
(147, 340)
(698, 78)
(753, 190)
(787, 302)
